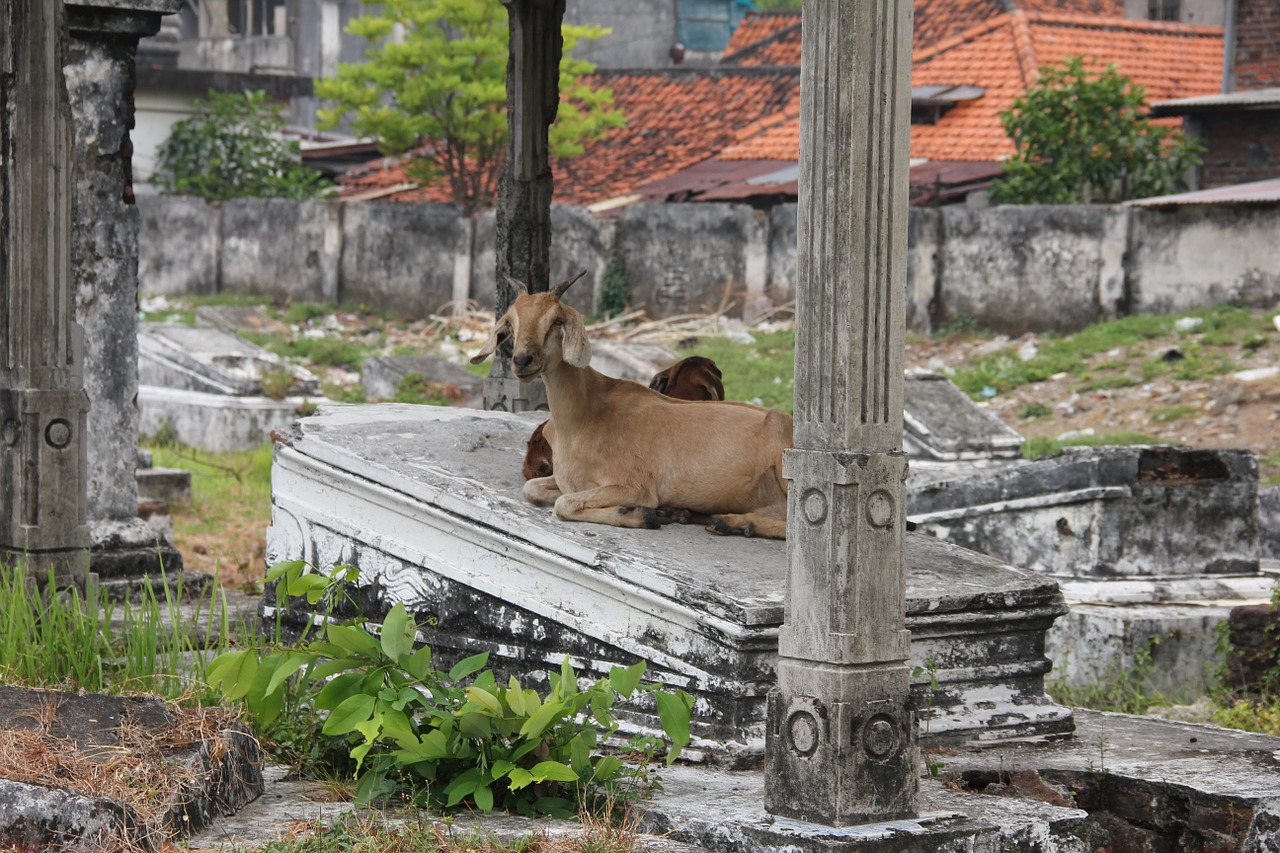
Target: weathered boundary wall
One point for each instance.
(1012, 269)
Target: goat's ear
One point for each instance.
(574, 346)
(499, 333)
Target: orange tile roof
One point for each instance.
(773, 37)
(675, 118)
(678, 117)
(1004, 57)
(937, 20)
(765, 38)
(757, 26)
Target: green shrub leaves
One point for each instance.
(452, 737)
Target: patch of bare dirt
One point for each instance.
(1236, 409)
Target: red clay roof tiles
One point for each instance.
(678, 117)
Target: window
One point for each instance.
(1164, 10)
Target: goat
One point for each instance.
(623, 452)
(692, 378)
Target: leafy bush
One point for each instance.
(1083, 136)
(433, 86)
(231, 148)
(455, 737)
(614, 292)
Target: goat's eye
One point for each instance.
(559, 322)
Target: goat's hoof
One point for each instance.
(652, 518)
(672, 515)
(720, 527)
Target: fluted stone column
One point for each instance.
(523, 214)
(841, 743)
(43, 405)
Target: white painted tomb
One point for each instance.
(426, 501)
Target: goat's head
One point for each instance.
(543, 332)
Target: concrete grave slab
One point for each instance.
(427, 502)
(214, 771)
(941, 423)
(1109, 512)
(380, 375)
(207, 385)
(213, 361)
(631, 360)
(240, 318)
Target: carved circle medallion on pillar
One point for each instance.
(813, 503)
(881, 508)
(880, 734)
(58, 433)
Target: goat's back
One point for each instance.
(709, 457)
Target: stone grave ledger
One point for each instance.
(1106, 513)
(426, 501)
(210, 387)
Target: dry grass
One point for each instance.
(137, 769)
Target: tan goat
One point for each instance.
(624, 454)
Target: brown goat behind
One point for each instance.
(692, 378)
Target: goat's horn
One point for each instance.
(518, 286)
(560, 288)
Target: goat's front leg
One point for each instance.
(619, 506)
(541, 491)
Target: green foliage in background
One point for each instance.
(434, 83)
(1082, 136)
(456, 737)
(231, 148)
(614, 292)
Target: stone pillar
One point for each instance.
(100, 75)
(523, 215)
(841, 741)
(42, 400)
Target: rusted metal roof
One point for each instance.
(714, 179)
(1244, 100)
(1257, 192)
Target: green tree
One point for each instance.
(434, 84)
(1083, 137)
(231, 148)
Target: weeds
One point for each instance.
(57, 640)
(1038, 446)
(450, 737)
(1128, 691)
(223, 528)
(1173, 413)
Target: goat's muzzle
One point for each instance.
(524, 367)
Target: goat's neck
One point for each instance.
(573, 393)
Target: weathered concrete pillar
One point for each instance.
(523, 215)
(100, 74)
(841, 743)
(42, 400)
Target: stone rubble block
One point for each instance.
(224, 773)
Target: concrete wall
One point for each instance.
(1186, 257)
(682, 259)
(1038, 267)
(1011, 269)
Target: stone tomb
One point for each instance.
(1152, 547)
(211, 387)
(426, 501)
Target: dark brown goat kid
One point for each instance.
(622, 451)
(692, 378)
